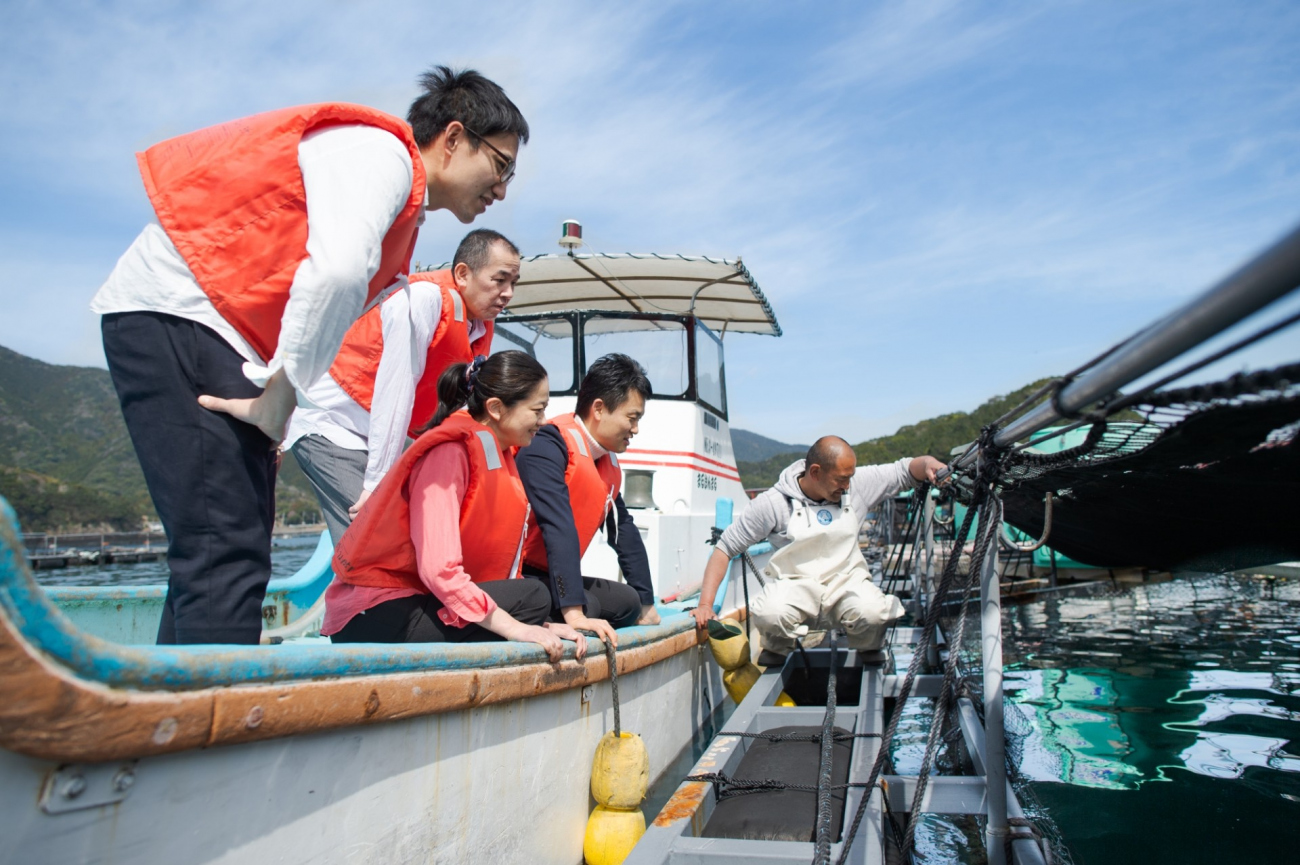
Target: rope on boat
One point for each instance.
(822, 852)
(1027, 832)
(729, 786)
(990, 523)
(839, 736)
(612, 661)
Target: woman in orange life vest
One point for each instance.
(435, 555)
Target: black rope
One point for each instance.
(839, 736)
(990, 524)
(1233, 386)
(1137, 398)
(822, 851)
(988, 467)
(726, 786)
(1028, 832)
(612, 662)
(1093, 439)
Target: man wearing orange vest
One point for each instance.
(383, 385)
(573, 481)
(274, 233)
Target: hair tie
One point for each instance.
(471, 373)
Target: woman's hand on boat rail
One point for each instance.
(565, 632)
(505, 625)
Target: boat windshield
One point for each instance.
(682, 357)
(550, 340)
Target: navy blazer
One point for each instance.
(541, 468)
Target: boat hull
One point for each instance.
(507, 782)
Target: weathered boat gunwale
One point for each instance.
(73, 697)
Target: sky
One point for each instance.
(943, 201)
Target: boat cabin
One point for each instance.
(670, 313)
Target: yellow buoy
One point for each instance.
(611, 834)
(785, 700)
(728, 643)
(739, 681)
(620, 772)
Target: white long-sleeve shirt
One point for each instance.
(357, 180)
(409, 320)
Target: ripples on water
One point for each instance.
(1160, 723)
(287, 556)
(1155, 723)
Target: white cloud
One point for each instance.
(941, 201)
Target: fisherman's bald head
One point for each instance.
(828, 469)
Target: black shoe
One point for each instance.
(768, 658)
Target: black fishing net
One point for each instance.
(1201, 478)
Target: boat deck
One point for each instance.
(677, 833)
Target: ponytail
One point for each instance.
(509, 376)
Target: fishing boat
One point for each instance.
(303, 751)
(112, 749)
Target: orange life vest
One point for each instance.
(377, 551)
(357, 363)
(231, 199)
(593, 486)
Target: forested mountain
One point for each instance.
(66, 460)
(936, 436)
(751, 447)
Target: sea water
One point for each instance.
(288, 554)
(1147, 723)
(1161, 722)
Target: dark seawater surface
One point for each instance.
(1161, 722)
(288, 554)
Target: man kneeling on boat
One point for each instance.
(435, 554)
(573, 481)
(817, 579)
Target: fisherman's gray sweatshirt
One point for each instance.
(768, 514)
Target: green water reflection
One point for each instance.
(1160, 723)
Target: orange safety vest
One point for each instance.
(231, 199)
(593, 486)
(357, 363)
(377, 551)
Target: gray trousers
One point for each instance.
(336, 474)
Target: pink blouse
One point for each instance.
(438, 483)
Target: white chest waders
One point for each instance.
(820, 581)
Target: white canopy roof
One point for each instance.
(719, 292)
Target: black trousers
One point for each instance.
(414, 619)
(615, 602)
(211, 477)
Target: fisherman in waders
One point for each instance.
(274, 233)
(383, 385)
(817, 579)
(571, 474)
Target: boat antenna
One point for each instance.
(571, 235)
